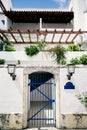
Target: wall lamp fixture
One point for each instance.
(11, 70)
(71, 70)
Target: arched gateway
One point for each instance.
(41, 97)
(41, 105)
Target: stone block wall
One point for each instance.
(70, 121)
(11, 121)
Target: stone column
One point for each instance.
(58, 115)
(25, 100)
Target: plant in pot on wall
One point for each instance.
(35, 49)
(75, 61)
(2, 61)
(59, 53)
(8, 46)
(32, 50)
(73, 47)
(83, 59)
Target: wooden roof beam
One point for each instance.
(29, 34)
(61, 36)
(12, 35)
(3, 34)
(53, 35)
(68, 36)
(21, 35)
(34, 42)
(78, 32)
(2, 7)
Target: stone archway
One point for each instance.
(29, 70)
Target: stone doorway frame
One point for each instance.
(28, 70)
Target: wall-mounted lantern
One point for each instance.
(71, 70)
(11, 70)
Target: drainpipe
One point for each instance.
(40, 23)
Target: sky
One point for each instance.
(40, 3)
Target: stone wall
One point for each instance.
(70, 121)
(11, 121)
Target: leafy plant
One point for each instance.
(63, 62)
(9, 48)
(59, 52)
(18, 62)
(2, 61)
(1, 46)
(75, 61)
(83, 98)
(73, 47)
(8, 45)
(32, 50)
(83, 59)
(41, 45)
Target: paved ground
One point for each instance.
(50, 128)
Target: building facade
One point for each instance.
(40, 96)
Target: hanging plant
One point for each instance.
(59, 53)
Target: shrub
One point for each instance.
(75, 61)
(32, 50)
(2, 61)
(83, 59)
(73, 47)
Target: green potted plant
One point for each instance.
(32, 50)
(75, 61)
(83, 59)
(73, 47)
(2, 61)
(41, 45)
(8, 45)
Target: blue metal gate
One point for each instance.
(42, 99)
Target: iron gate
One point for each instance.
(42, 99)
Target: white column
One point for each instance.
(25, 101)
(58, 115)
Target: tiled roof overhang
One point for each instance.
(34, 16)
(48, 36)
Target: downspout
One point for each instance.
(40, 24)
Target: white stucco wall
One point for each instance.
(79, 7)
(69, 102)
(33, 26)
(11, 92)
(7, 4)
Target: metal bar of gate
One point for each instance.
(42, 108)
